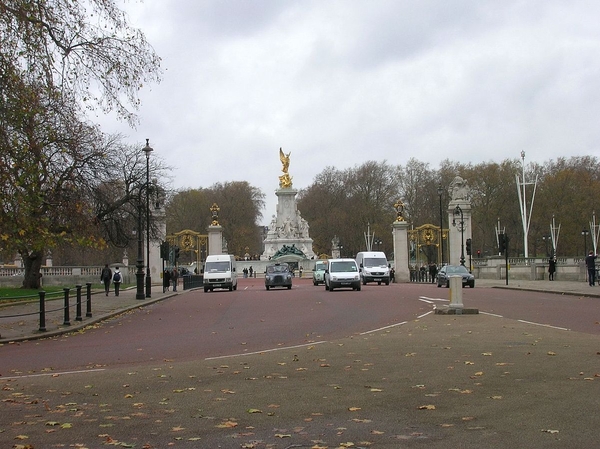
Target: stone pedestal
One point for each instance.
(215, 240)
(287, 229)
(400, 237)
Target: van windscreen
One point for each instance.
(375, 262)
(217, 267)
(343, 267)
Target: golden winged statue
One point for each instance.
(285, 180)
(285, 160)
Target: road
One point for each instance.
(199, 325)
(154, 377)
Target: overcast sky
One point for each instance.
(344, 82)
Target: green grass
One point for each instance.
(16, 294)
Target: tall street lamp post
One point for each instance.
(459, 211)
(148, 150)
(139, 275)
(585, 233)
(440, 191)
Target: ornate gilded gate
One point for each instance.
(193, 244)
(426, 243)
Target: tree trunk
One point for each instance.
(33, 264)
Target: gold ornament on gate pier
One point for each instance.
(214, 209)
(399, 206)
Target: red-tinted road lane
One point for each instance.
(200, 325)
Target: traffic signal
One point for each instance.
(502, 242)
(468, 247)
(176, 252)
(164, 250)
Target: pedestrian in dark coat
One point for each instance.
(174, 278)
(106, 277)
(551, 268)
(590, 263)
(166, 280)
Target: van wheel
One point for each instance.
(379, 283)
(267, 287)
(231, 288)
(330, 288)
(235, 287)
(387, 282)
(289, 287)
(358, 288)
(205, 289)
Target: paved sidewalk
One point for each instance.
(22, 322)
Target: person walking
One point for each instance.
(590, 263)
(551, 268)
(174, 278)
(105, 277)
(117, 279)
(166, 280)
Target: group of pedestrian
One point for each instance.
(248, 271)
(107, 276)
(170, 277)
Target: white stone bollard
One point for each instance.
(456, 292)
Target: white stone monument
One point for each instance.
(287, 238)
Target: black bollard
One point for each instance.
(67, 321)
(42, 311)
(78, 317)
(88, 302)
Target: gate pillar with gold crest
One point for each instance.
(215, 232)
(400, 239)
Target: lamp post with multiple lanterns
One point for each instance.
(148, 150)
(440, 191)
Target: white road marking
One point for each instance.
(544, 325)
(431, 300)
(383, 328)
(63, 373)
(491, 314)
(262, 352)
(425, 314)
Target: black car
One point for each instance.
(455, 270)
(278, 275)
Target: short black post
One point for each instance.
(67, 321)
(78, 317)
(88, 302)
(42, 311)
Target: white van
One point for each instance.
(373, 267)
(220, 272)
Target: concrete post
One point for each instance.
(456, 292)
(400, 238)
